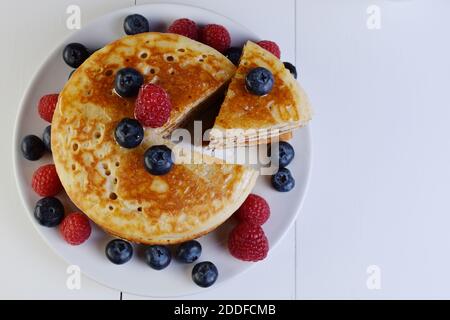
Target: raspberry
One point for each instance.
(254, 210)
(46, 182)
(271, 46)
(184, 27)
(216, 36)
(75, 228)
(152, 107)
(248, 242)
(47, 106)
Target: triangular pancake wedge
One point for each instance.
(109, 183)
(245, 118)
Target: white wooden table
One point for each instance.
(378, 200)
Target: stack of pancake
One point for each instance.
(110, 184)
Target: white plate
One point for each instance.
(136, 277)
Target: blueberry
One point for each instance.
(71, 73)
(205, 274)
(74, 54)
(128, 81)
(46, 138)
(135, 23)
(129, 133)
(285, 154)
(158, 257)
(291, 68)
(259, 81)
(158, 160)
(283, 181)
(234, 55)
(189, 251)
(32, 147)
(49, 212)
(119, 251)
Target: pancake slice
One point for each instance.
(245, 118)
(109, 183)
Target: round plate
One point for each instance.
(135, 276)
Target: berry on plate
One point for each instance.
(158, 160)
(119, 251)
(216, 36)
(46, 182)
(75, 228)
(248, 242)
(49, 212)
(254, 210)
(128, 81)
(129, 133)
(271, 46)
(204, 274)
(135, 23)
(46, 138)
(47, 106)
(189, 252)
(74, 54)
(283, 181)
(259, 81)
(184, 27)
(152, 106)
(234, 55)
(291, 69)
(286, 153)
(158, 257)
(32, 147)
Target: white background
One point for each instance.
(380, 189)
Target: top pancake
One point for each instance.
(108, 182)
(284, 108)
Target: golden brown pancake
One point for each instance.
(109, 183)
(245, 118)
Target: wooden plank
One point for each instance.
(30, 269)
(379, 189)
(256, 284)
